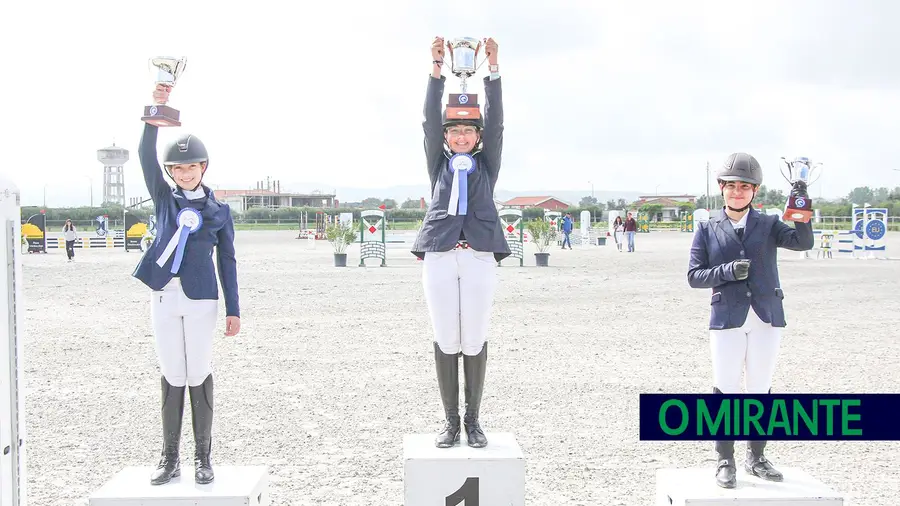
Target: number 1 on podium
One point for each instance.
(466, 494)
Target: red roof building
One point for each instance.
(665, 200)
(670, 205)
(544, 202)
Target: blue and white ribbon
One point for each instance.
(189, 221)
(461, 165)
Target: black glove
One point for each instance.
(799, 190)
(741, 269)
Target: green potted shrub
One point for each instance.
(542, 235)
(340, 236)
(601, 232)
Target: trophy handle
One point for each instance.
(817, 170)
(781, 168)
(480, 64)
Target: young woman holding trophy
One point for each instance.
(461, 239)
(747, 313)
(178, 268)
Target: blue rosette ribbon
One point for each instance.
(189, 221)
(461, 165)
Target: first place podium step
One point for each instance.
(697, 487)
(233, 486)
(457, 476)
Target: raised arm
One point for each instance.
(799, 238)
(700, 274)
(156, 183)
(227, 265)
(434, 132)
(492, 137)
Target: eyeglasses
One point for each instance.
(456, 132)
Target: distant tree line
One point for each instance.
(410, 209)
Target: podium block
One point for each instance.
(485, 476)
(233, 486)
(697, 486)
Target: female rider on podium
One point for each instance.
(178, 268)
(736, 255)
(461, 241)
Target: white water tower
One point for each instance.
(113, 159)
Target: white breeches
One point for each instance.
(184, 334)
(459, 290)
(753, 346)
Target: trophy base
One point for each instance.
(463, 113)
(161, 116)
(798, 209)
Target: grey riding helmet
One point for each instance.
(741, 167)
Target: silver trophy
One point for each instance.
(801, 169)
(167, 70)
(799, 174)
(463, 57)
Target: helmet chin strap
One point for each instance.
(739, 210)
(742, 209)
(200, 182)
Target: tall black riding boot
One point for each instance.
(172, 413)
(202, 418)
(447, 367)
(726, 468)
(758, 465)
(474, 369)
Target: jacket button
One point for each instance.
(748, 294)
(742, 252)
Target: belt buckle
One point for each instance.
(462, 244)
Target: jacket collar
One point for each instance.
(178, 193)
(211, 207)
(724, 229)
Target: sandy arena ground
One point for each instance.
(333, 366)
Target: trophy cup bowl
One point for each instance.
(463, 58)
(463, 54)
(168, 70)
(799, 173)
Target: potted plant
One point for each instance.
(542, 235)
(601, 231)
(340, 236)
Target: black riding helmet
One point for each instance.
(184, 150)
(744, 168)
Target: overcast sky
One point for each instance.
(626, 96)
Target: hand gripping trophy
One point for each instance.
(168, 70)
(799, 173)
